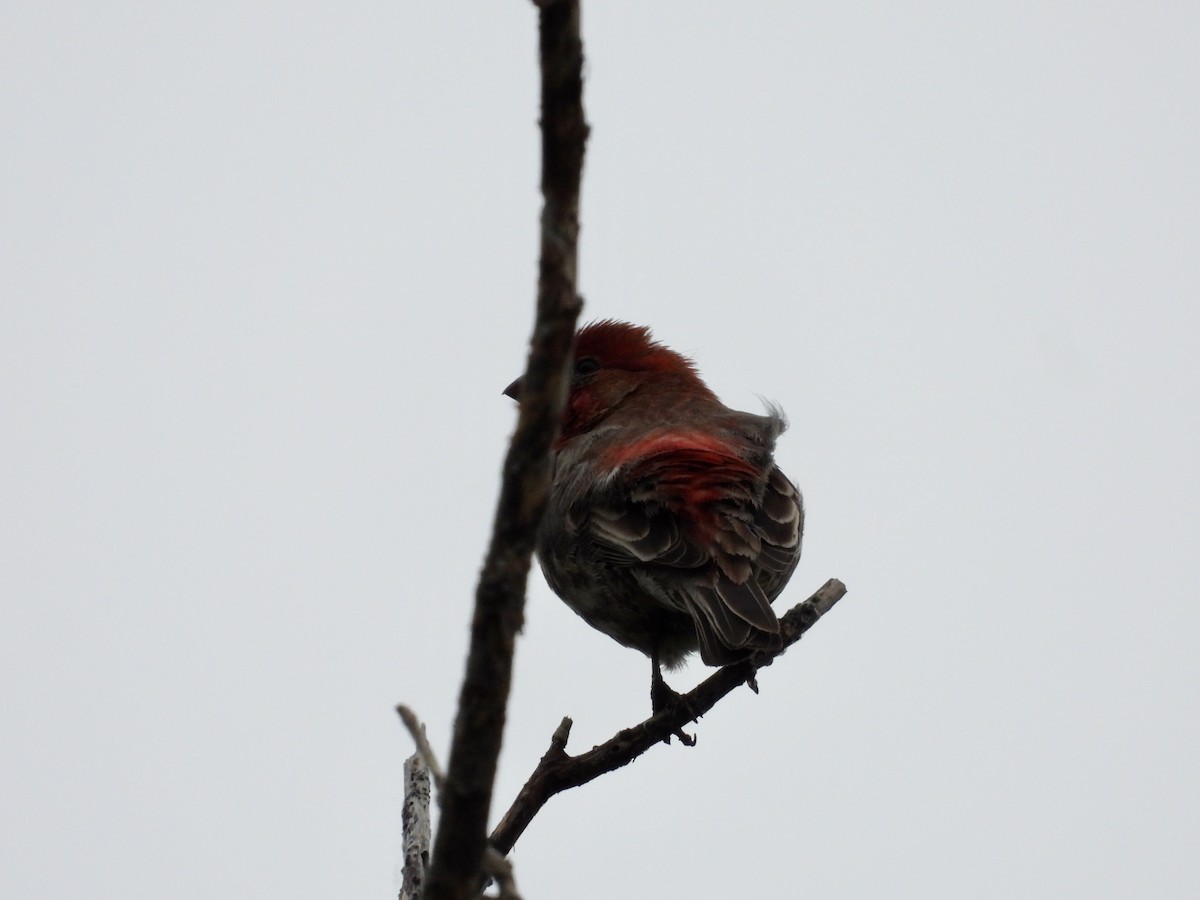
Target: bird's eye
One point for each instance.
(586, 366)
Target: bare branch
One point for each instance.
(417, 771)
(415, 822)
(500, 598)
(417, 730)
(557, 771)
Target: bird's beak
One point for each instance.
(514, 389)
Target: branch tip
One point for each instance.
(561, 733)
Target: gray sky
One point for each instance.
(265, 269)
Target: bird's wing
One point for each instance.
(710, 530)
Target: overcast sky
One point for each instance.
(265, 269)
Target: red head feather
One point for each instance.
(613, 360)
(620, 345)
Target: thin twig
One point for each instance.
(557, 771)
(417, 730)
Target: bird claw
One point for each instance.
(688, 740)
(664, 697)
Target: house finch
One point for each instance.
(668, 526)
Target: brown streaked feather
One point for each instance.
(697, 510)
(747, 601)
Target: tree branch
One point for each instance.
(415, 819)
(557, 771)
(500, 598)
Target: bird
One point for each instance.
(668, 525)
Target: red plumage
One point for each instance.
(669, 526)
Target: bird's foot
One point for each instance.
(662, 698)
